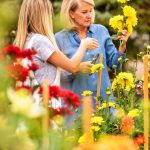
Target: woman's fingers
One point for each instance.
(93, 44)
(124, 37)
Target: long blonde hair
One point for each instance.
(35, 16)
(67, 6)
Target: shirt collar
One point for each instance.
(91, 29)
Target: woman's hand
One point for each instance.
(124, 38)
(90, 43)
(85, 67)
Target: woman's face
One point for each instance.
(83, 15)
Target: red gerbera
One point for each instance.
(55, 91)
(13, 51)
(70, 98)
(28, 53)
(33, 66)
(18, 72)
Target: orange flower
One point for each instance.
(127, 124)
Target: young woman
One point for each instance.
(35, 31)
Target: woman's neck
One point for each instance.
(82, 32)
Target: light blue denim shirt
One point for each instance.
(69, 41)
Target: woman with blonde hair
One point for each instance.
(35, 30)
(78, 19)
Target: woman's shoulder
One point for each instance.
(38, 41)
(62, 33)
(99, 27)
(40, 38)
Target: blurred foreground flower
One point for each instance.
(22, 102)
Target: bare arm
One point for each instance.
(72, 65)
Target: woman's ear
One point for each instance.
(71, 13)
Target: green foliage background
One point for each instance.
(104, 10)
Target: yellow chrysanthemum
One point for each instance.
(97, 120)
(123, 1)
(129, 29)
(124, 80)
(87, 93)
(117, 22)
(96, 68)
(130, 13)
(134, 113)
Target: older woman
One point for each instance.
(78, 17)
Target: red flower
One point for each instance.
(59, 111)
(33, 67)
(28, 53)
(70, 98)
(18, 72)
(127, 124)
(55, 91)
(13, 51)
(139, 140)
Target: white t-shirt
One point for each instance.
(44, 49)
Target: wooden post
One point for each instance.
(87, 111)
(99, 82)
(146, 104)
(45, 122)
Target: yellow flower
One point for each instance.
(110, 104)
(124, 80)
(95, 128)
(133, 113)
(130, 13)
(108, 92)
(97, 120)
(149, 85)
(123, 1)
(87, 93)
(117, 22)
(120, 59)
(82, 139)
(96, 68)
